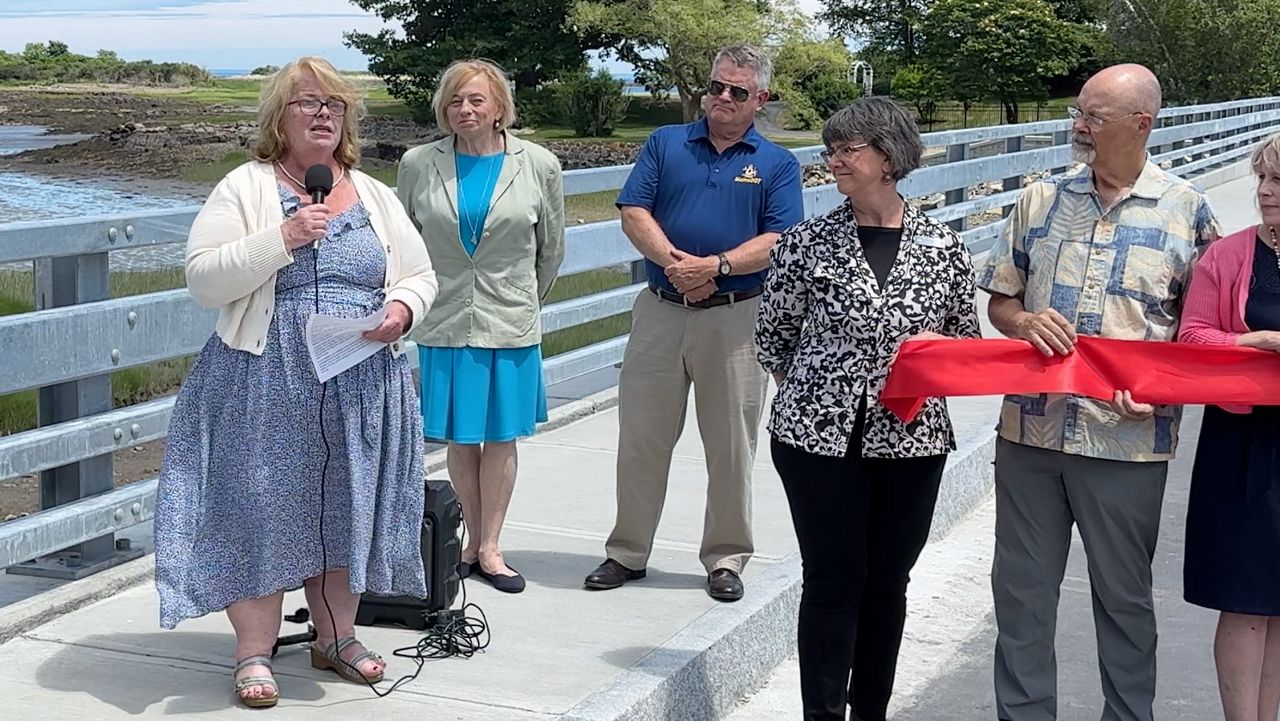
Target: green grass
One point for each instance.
(225, 91)
(643, 116)
(212, 172)
(129, 386)
(951, 116)
(582, 284)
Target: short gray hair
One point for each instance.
(747, 56)
(1266, 157)
(885, 126)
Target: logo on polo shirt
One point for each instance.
(749, 175)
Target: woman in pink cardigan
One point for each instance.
(1233, 521)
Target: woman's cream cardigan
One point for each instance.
(236, 247)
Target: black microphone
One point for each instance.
(319, 182)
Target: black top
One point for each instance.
(1262, 310)
(880, 245)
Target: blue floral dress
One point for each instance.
(238, 513)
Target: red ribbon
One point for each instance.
(1156, 373)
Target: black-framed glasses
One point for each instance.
(1093, 120)
(844, 152)
(311, 106)
(739, 94)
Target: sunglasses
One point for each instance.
(739, 94)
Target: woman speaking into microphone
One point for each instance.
(273, 480)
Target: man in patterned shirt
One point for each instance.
(1105, 251)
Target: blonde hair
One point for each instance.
(274, 101)
(461, 72)
(1266, 157)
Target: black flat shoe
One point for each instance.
(506, 584)
(465, 570)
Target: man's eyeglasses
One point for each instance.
(739, 94)
(311, 106)
(842, 153)
(1093, 120)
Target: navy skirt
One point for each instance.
(1233, 519)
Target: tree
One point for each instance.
(810, 75)
(919, 85)
(594, 102)
(890, 29)
(1006, 49)
(672, 42)
(1081, 12)
(1196, 47)
(528, 38)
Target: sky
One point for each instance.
(215, 34)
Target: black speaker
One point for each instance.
(441, 554)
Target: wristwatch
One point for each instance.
(725, 266)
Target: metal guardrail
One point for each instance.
(68, 347)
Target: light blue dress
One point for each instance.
(473, 395)
(239, 502)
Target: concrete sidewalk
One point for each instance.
(557, 650)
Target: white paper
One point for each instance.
(336, 344)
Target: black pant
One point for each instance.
(861, 524)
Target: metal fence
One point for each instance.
(77, 337)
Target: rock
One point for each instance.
(816, 175)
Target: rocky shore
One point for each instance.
(153, 141)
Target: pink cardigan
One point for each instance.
(1213, 313)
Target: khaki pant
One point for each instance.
(672, 347)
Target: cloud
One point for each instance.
(213, 33)
(45, 8)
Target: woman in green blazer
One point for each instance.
(490, 208)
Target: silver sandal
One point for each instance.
(329, 659)
(248, 681)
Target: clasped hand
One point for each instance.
(693, 276)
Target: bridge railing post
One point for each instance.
(1062, 137)
(1013, 182)
(956, 153)
(61, 282)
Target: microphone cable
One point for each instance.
(453, 634)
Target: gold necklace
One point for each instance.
(342, 174)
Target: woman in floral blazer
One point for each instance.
(845, 290)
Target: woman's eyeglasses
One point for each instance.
(843, 152)
(739, 94)
(311, 106)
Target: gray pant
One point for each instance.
(1116, 504)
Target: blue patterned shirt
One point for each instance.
(1119, 274)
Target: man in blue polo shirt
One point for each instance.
(704, 205)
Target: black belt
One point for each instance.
(714, 301)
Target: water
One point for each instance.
(28, 196)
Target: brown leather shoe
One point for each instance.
(611, 574)
(724, 585)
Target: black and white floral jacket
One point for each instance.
(832, 331)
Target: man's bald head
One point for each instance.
(1129, 88)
